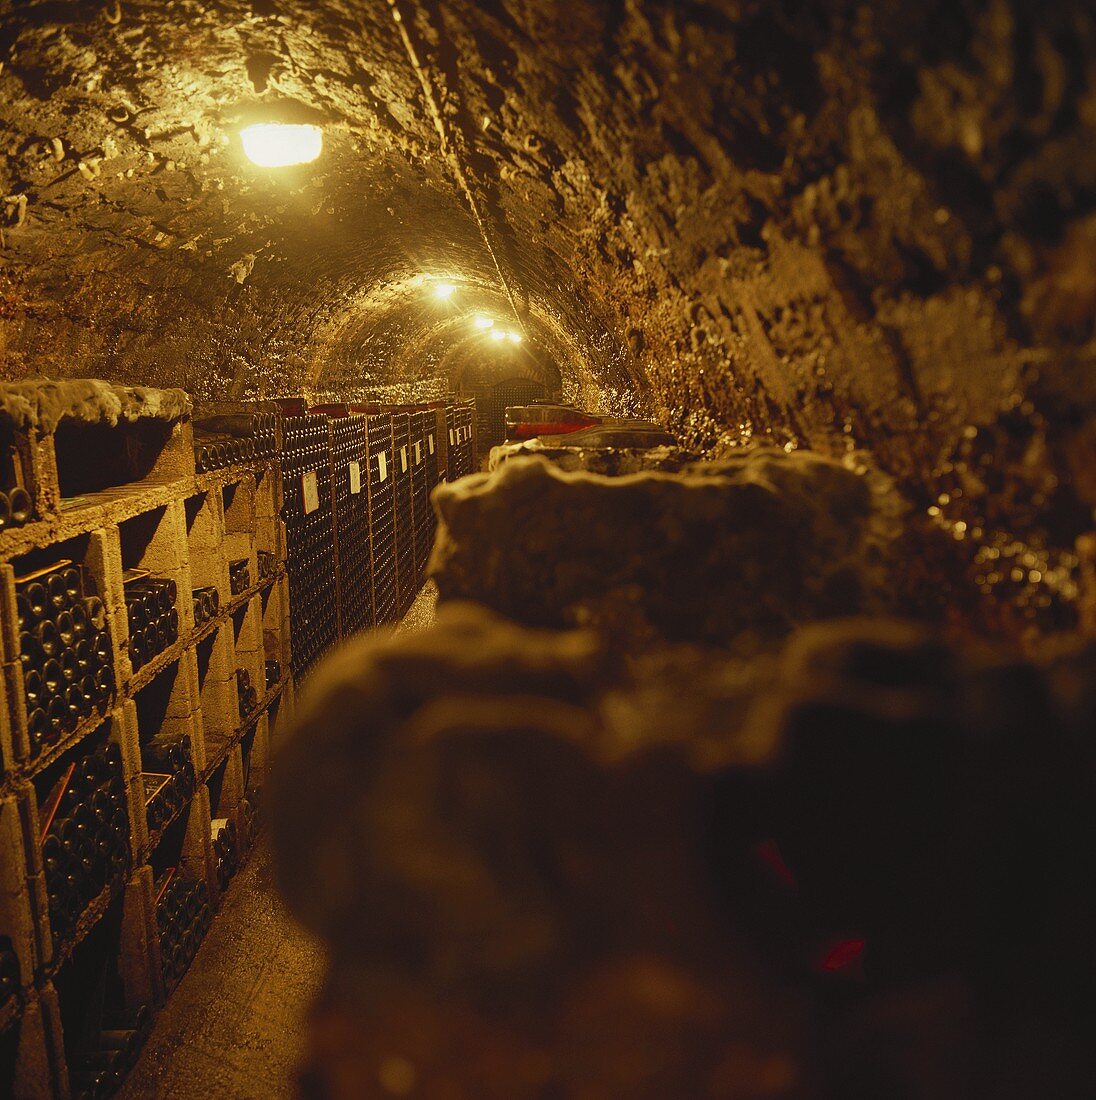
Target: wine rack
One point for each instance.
(452, 449)
(464, 440)
(16, 502)
(422, 514)
(406, 585)
(351, 489)
(382, 517)
(160, 582)
(434, 431)
(308, 514)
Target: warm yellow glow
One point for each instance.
(444, 291)
(514, 337)
(484, 322)
(498, 334)
(279, 144)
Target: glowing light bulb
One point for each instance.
(444, 291)
(281, 144)
(514, 337)
(498, 334)
(484, 322)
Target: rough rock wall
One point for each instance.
(542, 868)
(845, 226)
(733, 552)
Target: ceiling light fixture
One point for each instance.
(484, 322)
(497, 334)
(281, 144)
(514, 337)
(444, 291)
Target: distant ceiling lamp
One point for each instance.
(514, 337)
(484, 322)
(281, 144)
(444, 291)
(498, 334)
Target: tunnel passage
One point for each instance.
(849, 227)
(857, 233)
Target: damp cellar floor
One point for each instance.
(233, 1028)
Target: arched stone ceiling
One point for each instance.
(176, 260)
(851, 225)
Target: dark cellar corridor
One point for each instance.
(548, 550)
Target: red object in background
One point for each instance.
(169, 874)
(528, 421)
(840, 955)
(48, 810)
(768, 851)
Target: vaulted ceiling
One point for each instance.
(844, 225)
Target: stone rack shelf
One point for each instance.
(174, 523)
(10, 1011)
(229, 747)
(89, 918)
(147, 673)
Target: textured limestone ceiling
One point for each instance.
(845, 225)
(133, 214)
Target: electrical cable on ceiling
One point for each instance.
(451, 154)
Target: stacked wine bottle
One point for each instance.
(246, 694)
(225, 850)
(66, 652)
(382, 529)
(165, 797)
(268, 564)
(97, 1071)
(420, 494)
(9, 971)
(207, 605)
(352, 523)
(306, 486)
(183, 916)
(273, 673)
(249, 817)
(87, 842)
(153, 617)
(16, 507)
(405, 523)
(239, 576)
(234, 438)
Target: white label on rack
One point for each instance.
(310, 487)
(430, 438)
(403, 460)
(451, 439)
(382, 465)
(418, 452)
(355, 478)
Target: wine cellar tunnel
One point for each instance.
(719, 721)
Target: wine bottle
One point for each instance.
(9, 970)
(57, 591)
(38, 599)
(96, 613)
